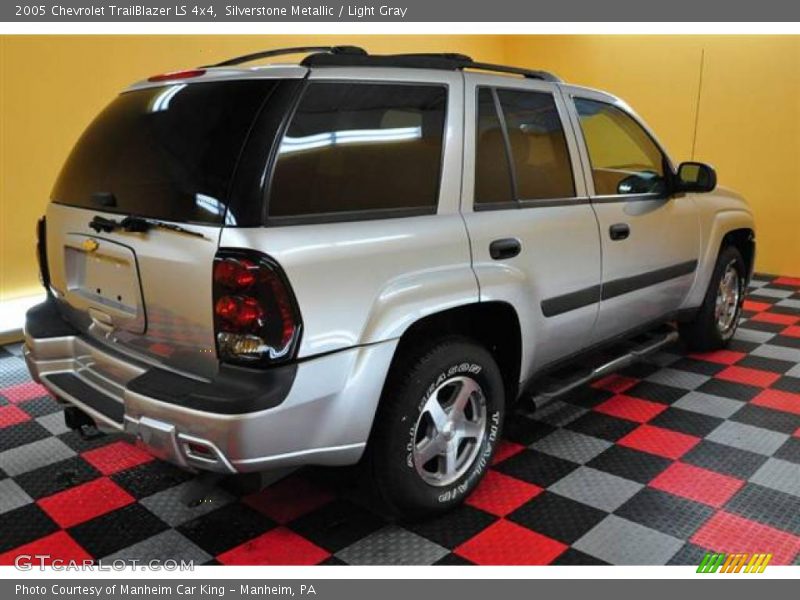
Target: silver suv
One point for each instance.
(364, 258)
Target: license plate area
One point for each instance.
(103, 280)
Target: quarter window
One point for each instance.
(356, 147)
(625, 159)
(492, 170)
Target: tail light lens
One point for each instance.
(256, 319)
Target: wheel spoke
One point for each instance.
(468, 387)
(427, 449)
(450, 458)
(470, 430)
(436, 412)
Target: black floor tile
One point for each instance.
(723, 459)
(786, 341)
(656, 392)
(689, 554)
(664, 512)
(557, 517)
(119, 529)
(573, 557)
(787, 384)
(23, 525)
(701, 367)
(453, 560)
(523, 430)
(685, 421)
(226, 527)
(536, 467)
(21, 434)
(790, 450)
(765, 364)
(454, 527)
(57, 477)
(729, 389)
(767, 506)
(630, 464)
(337, 525)
(39, 407)
(152, 477)
(602, 426)
(767, 418)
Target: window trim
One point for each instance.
(344, 216)
(669, 171)
(518, 202)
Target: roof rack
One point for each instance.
(339, 50)
(353, 56)
(445, 61)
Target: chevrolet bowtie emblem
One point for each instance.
(89, 245)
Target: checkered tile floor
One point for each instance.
(654, 465)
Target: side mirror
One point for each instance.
(696, 177)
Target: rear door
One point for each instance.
(650, 240)
(534, 235)
(165, 154)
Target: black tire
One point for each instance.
(703, 333)
(453, 361)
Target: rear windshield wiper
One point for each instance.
(133, 224)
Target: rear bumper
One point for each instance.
(318, 411)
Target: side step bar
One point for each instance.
(553, 387)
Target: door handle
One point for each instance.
(504, 248)
(619, 231)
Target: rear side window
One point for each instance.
(492, 170)
(365, 148)
(625, 159)
(522, 128)
(538, 145)
(166, 152)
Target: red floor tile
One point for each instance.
(56, 546)
(725, 532)
(768, 317)
(795, 281)
(632, 409)
(784, 401)
(697, 484)
(276, 547)
(615, 383)
(793, 331)
(506, 543)
(500, 494)
(116, 457)
(84, 502)
(796, 433)
(755, 306)
(657, 440)
(11, 415)
(24, 391)
(748, 376)
(289, 499)
(506, 449)
(723, 357)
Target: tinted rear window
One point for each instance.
(361, 148)
(165, 153)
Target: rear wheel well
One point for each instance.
(494, 325)
(744, 241)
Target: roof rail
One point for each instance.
(353, 56)
(444, 61)
(338, 50)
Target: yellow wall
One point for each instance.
(748, 125)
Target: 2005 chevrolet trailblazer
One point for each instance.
(367, 257)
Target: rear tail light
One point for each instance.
(256, 319)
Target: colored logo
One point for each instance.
(89, 245)
(734, 563)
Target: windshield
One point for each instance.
(165, 153)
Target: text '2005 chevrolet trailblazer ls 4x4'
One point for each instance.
(367, 258)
